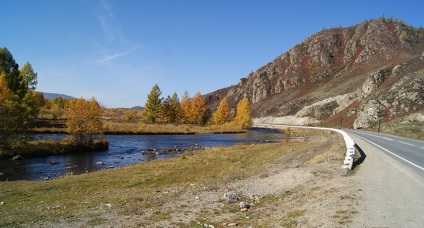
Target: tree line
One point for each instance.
(194, 110)
(20, 105)
(19, 102)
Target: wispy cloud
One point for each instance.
(107, 6)
(114, 56)
(109, 23)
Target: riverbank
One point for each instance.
(283, 183)
(139, 127)
(27, 149)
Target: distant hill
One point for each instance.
(51, 96)
(137, 108)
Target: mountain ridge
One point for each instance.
(52, 96)
(351, 74)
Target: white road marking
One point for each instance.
(407, 143)
(388, 151)
(378, 136)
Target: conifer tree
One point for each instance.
(153, 104)
(243, 117)
(223, 113)
(10, 68)
(11, 121)
(176, 108)
(170, 109)
(20, 85)
(197, 109)
(185, 105)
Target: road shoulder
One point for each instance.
(392, 192)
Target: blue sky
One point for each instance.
(116, 50)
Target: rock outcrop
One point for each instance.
(358, 75)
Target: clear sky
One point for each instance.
(116, 50)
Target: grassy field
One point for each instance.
(121, 126)
(27, 149)
(142, 127)
(135, 189)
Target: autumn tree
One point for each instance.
(243, 117)
(185, 106)
(170, 109)
(130, 114)
(57, 106)
(223, 113)
(197, 109)
(32, 104)
(28, 79)
(83, 120)
(20, 85)
(10, 68)
(11, 122)
(153, 104)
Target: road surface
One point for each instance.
(390, 180)
(407, 151)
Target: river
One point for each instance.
(123, 150)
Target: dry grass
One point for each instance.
(130, 188)
(142, 127)
(146, 190)
(122, 121)
(402, 127)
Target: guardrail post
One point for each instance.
(350, 144)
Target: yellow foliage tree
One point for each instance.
(185, 107)
(83, 120)
(197, 109)
(223, 113)
(243, 117)
(11, 120)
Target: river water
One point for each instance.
(123, 150)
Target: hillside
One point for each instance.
(52, 96)
(357, 76)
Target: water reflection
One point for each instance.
(123, 150)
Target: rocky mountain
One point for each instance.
(359, 75)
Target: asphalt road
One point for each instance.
(407, 151)
(390, 181)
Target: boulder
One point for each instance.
(244, 205)
(17, 157)
(231, 197)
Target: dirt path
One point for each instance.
(392, 194)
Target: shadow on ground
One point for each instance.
(361, 159)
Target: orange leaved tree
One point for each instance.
(83, 120)
(223, 113)
(243, 117)
(11, 120)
